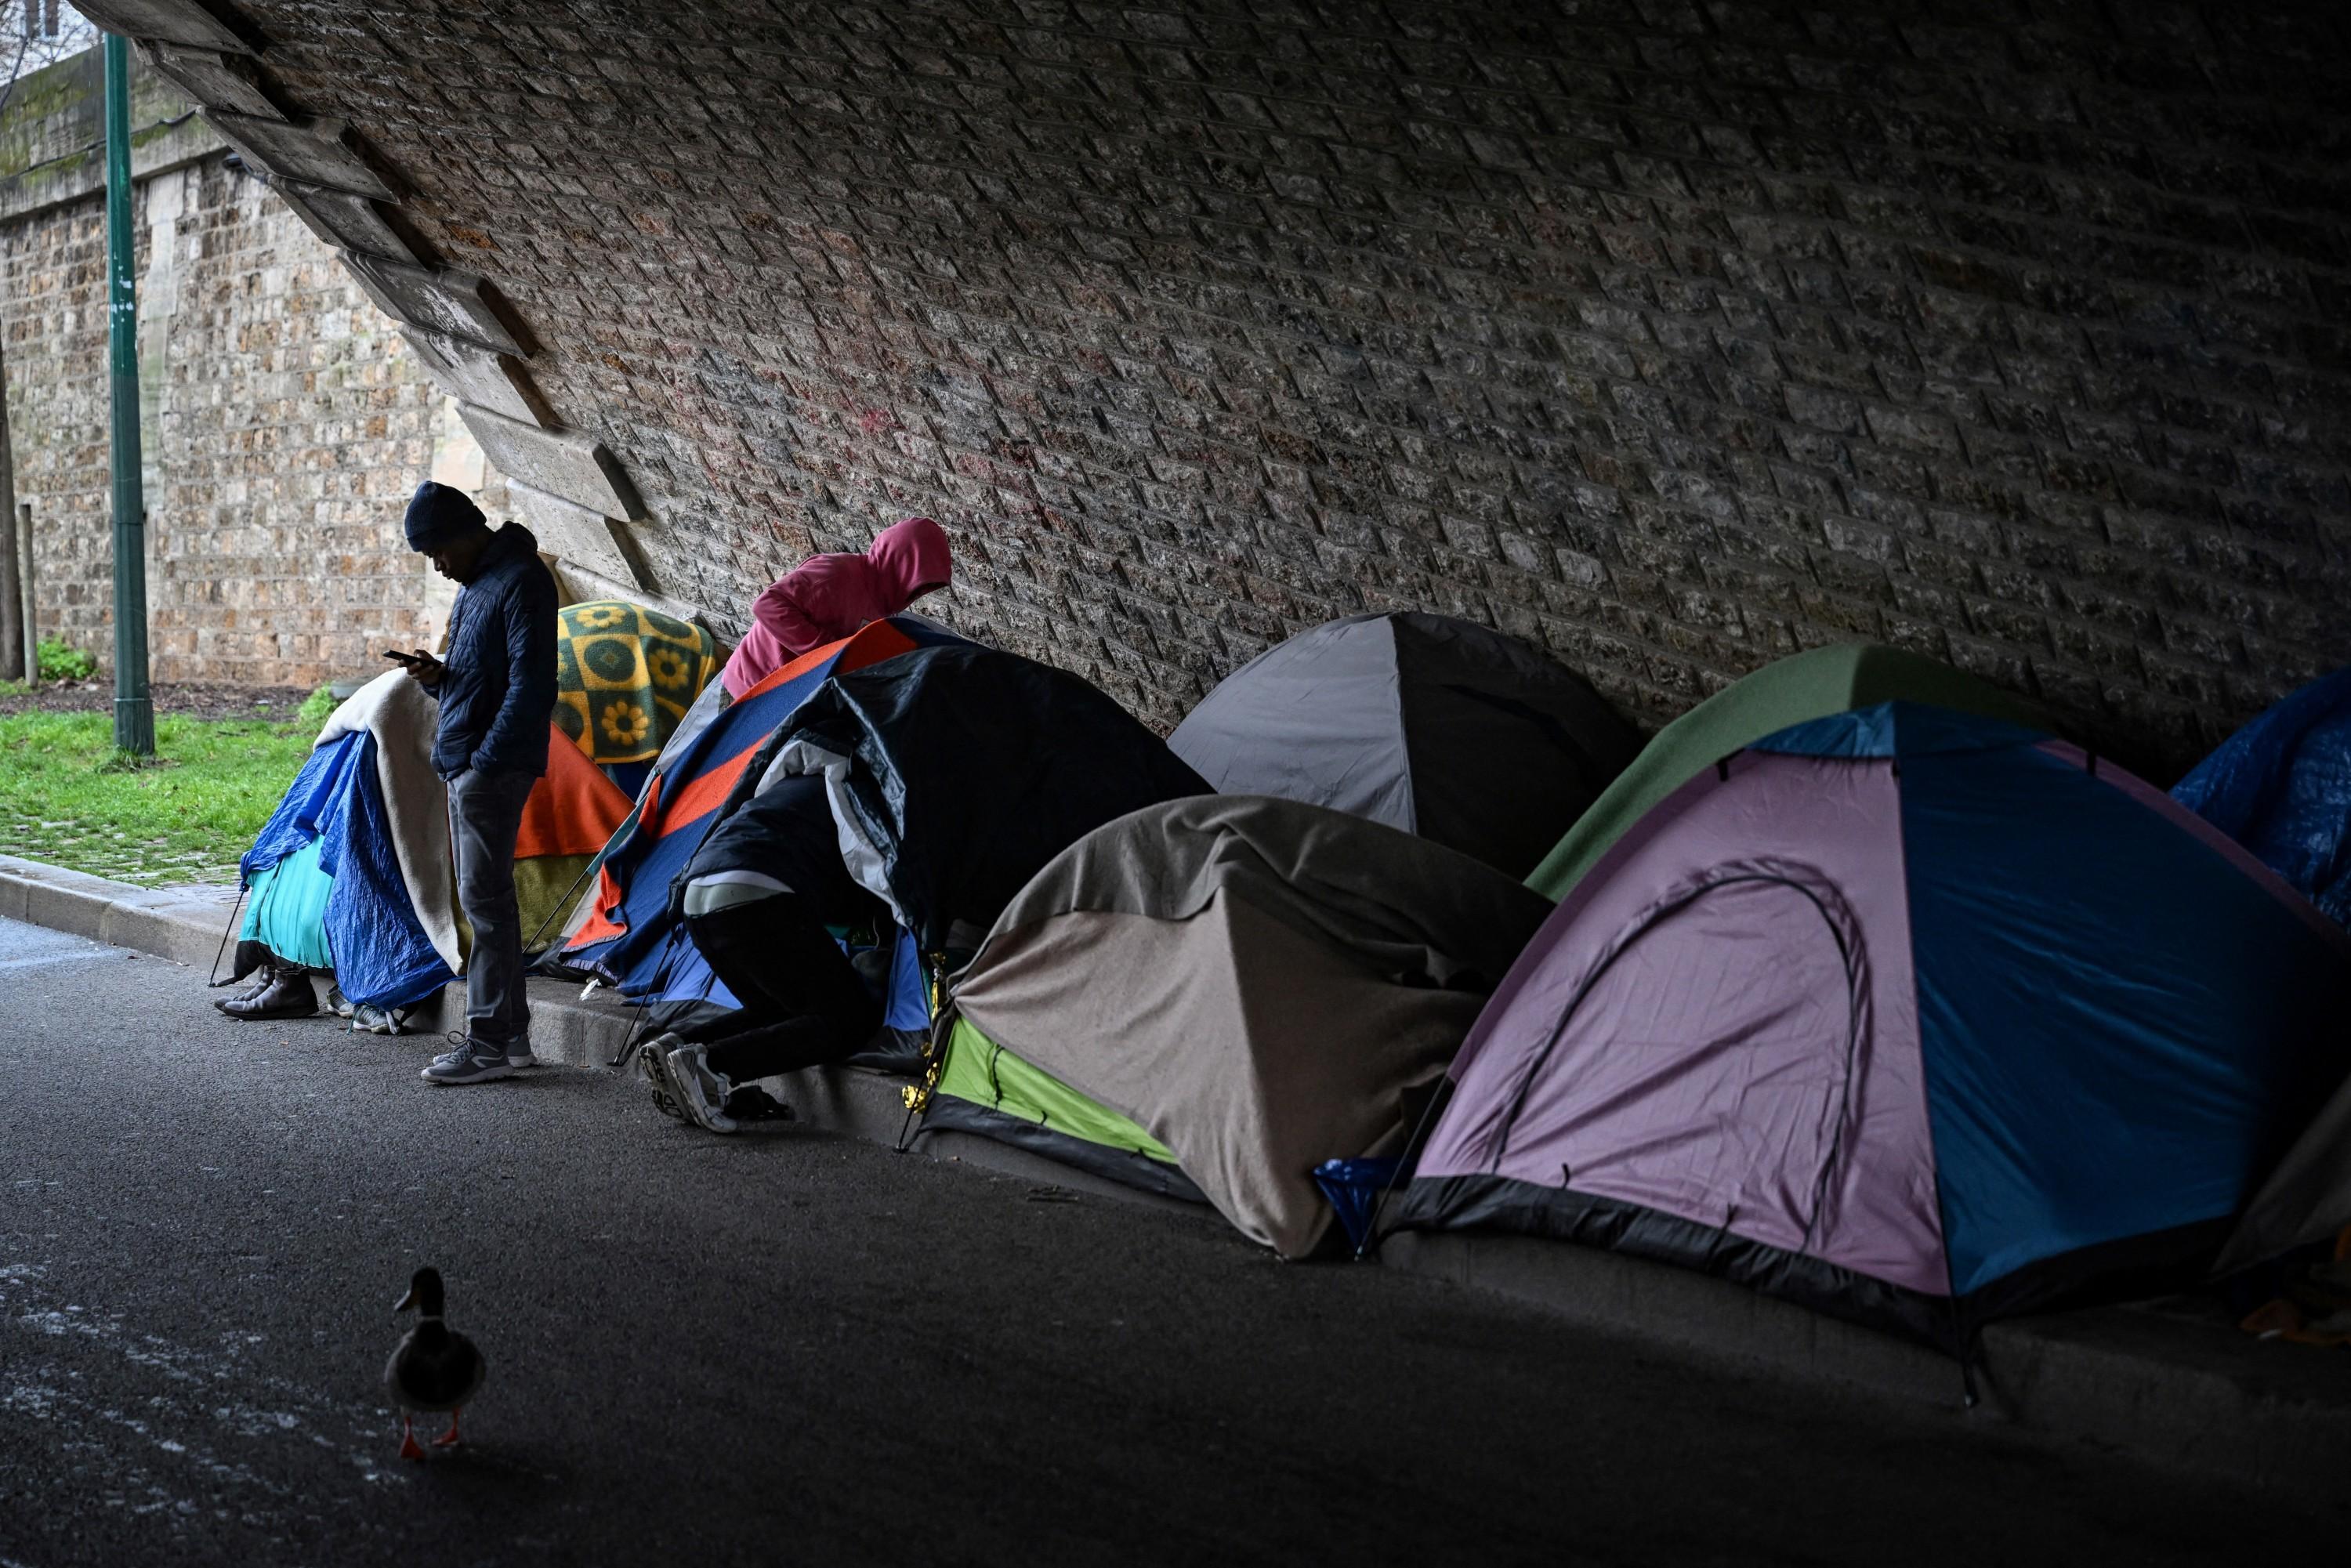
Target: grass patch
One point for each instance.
(69, 798)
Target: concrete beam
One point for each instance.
(580, 582)
(437, 299)
(343, 220)
(216, 80)
(317, 153)
(573, 467)
(170, 21)
(577, 533)
(473, 375)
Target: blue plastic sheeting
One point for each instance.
(2282, 788)
(1353, 1188)
(2194, 1000)
(1894, 729)
(381, 955)
(294, 825)
(910, 989)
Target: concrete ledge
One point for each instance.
(568, 465)
(583, 582)
(475, 375)
(343, 220)
(2172, 1382)
(214, 79)
(437, 299)
(315, 153)
(579, 534)
(170, 21)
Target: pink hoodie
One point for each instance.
(827, 596)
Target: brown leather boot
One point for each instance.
(288, 994)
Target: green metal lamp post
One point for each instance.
(134, 714)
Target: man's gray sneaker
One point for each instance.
(700, 1092)
(518, 1055)
(474, 1061)
(684, 1084)
(652, 1061)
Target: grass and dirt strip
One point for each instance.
(222, 756)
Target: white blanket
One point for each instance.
(397, 712)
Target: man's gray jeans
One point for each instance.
(485, 813)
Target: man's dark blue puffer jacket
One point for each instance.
(498, 691)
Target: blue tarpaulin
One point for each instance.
(331, 822)
(2282, 788)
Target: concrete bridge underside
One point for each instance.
(1670, 336)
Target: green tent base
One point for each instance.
(1790, 691)
(986, 1090)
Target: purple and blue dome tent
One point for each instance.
(1918, 1017)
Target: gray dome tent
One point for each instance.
(1441, 728)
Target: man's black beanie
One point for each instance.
(438, 514)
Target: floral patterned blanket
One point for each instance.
(624, 675)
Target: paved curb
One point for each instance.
(181, 924)
(2169, 1382)
(2172, 1388)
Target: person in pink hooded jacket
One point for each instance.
(827, 596)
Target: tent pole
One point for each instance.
(214, 981)
(560, 904)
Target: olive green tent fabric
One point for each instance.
(978, 1070)
(1793, 690)
(1258, 985)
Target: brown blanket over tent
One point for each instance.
(1260, 984)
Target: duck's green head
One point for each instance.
(423, 1294)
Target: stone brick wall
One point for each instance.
(283, 422)
(1673, 335)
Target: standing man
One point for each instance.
(497, 691)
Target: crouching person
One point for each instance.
(497, 691)
(756, 901)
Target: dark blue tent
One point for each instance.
(2282, 788)
(624, 932)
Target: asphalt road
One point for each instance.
(794, 1347)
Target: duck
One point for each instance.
(433, 1368)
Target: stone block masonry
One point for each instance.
(1671, 335)
(285, 417)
